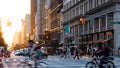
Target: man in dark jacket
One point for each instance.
(102, 53)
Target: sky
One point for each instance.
(13, 11)
(14, 8)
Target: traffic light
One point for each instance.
(9, 24)
(82, 20)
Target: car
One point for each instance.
(16, 53)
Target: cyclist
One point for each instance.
(38, 52)
(31, 48)
(102, 52)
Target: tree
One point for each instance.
(19, 46)
(2, 42)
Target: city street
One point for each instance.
(56, 62)
(49, 28)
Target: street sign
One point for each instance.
(114, 22)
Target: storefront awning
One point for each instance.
(90, 42)
(97, 41)
(84, 42)
(103, 41)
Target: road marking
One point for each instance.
(14, 60)
(21, 59)
(7, 59)
(81, 65)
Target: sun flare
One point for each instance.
(13, 11)
(8, 31)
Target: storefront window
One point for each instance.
(95, 37)
(109, 35)
(89, 37)
(101, 36)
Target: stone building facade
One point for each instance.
(98, 24)
(32, 17)
(55, 15)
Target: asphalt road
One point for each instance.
(55, 62)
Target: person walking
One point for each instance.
(64, 51)
(76, 53)
(68, 53)
(94, 52)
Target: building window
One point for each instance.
(85, 7)
(77, 1)
(103, 22)
(67, 5)
(65, 16)
(71, 30)
(74, 13)
(91, 24)
(109, 0)
(109, 35)
(84, 38)
(81, 9)
(90, 4)
(80, 29)
(96, 2)
(77, 11)
(68, 16)
(76, 30)
(89, 37)
(73, 2)
(101, 36)
(95, 37)
(109, 19)
(96, 24)
(102, 1)
(70, 3)
(86, 27)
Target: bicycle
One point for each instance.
(95, 62)
(28, 64)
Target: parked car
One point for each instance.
(16, 52)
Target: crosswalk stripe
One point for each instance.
(7, 59)
(14, 60)
(81, 65)
(21, 59)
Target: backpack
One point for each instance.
(38, 53)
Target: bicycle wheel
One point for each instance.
(41, 65)
(90, 65)
(24, 65)
(110, 64)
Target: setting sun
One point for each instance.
(12, 11)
